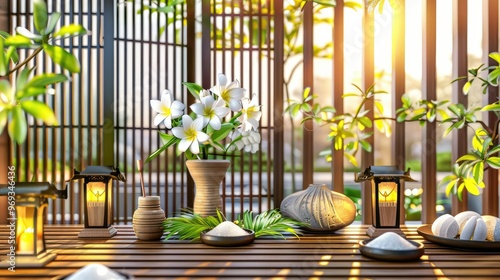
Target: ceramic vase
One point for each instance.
(148, 218)
(207, 176)
(320, 207)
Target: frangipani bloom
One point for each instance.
(218, 116)
(191, 134)
(231, 94)
(249, 141)
(250, 114)
(211, 111)
(167, 109)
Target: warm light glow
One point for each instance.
(325, 260)
(96, 191)
(96, 194)
(439, 208)
(407, 192)
(25, 230)
(417, 191)
(355, 269)
(284, 271)
(387, 192)
(26, 240)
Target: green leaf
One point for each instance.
(62, 58)
(466, 157)
(39, 110)
(328, 109)
(222, 133)
(18, 41)
(477, 143)
(53, 19)
(70, 30)
(478, 172)
(18, 128)
(460, 190)
(306, 92)
(161, 149)
(494, 162)
(466, 87)
(22, 78)
(352, 159)
(472, 186)
(12, 54)
(40, 15)
(366, 146)
(491, 107)
(22, 31)
(450, 181)
(194, 89)
(4, 114)
(4, 61)
(46, 79)
(305, 107)
(493, 76)
(5, 89)
(402, 117)
(366, 121)
(495, 56)
(165, 137)
(30, 92)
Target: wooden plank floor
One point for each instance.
(314, 256)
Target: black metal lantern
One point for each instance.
(27, 208)
(97, 193)
(386, 197)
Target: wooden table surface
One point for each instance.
(313, 256)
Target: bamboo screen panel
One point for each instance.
(51, 152)
(148, 62)
(242, 47)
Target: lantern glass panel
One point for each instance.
(96, 200)
(387, 203)
(25, 230)
(387, 192)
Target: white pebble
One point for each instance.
(227, 228)
(391, 241)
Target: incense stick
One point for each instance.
(139, 168)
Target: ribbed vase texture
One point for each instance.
(320, 207)
(148, 218)
(207, 176)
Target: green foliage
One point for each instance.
(17, 100)
(189, 225)
(348, 131)
(269, 222)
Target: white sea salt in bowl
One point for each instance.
(391, 247)
(227, 234)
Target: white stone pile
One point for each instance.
(467, 225)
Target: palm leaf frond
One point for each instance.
(188, 225)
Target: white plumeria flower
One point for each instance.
(249, 141)
(251, 114)
(167, 109)
(231, 94)
(190, 134)
(211, 111)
